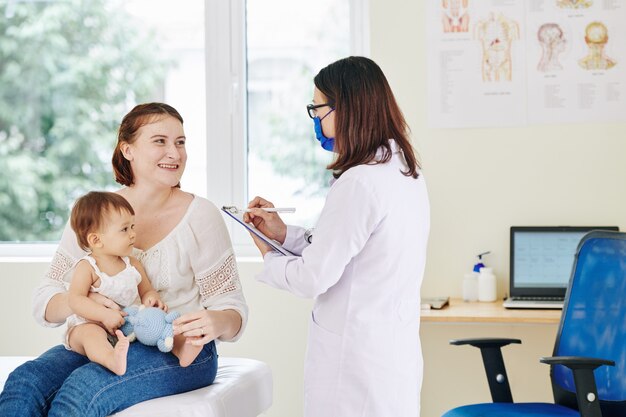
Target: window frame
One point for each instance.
(226, 121)
(226, 103)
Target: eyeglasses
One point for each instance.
(311, 109)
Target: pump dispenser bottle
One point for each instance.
(486, 282)
(470, 280)
(470, 286)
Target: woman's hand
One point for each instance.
(270, 224)
(105, 301)
(201, 327)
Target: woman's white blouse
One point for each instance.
(193, 267)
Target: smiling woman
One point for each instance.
(162, 141)
(182, 244)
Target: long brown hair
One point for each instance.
(139, 116)
(366, 115)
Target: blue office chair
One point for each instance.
(592, 333)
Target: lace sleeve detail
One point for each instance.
(61, 263)
(221, 280)
(213, 263)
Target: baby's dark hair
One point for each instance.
(89, 211)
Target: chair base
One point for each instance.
(512, 410)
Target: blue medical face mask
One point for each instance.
(327, 143)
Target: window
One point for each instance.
(276, 48)
(240, 73)
(70, 70)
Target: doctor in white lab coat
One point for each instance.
(364, 262)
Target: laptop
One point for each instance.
(541, 264)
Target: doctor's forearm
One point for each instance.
(58, 308)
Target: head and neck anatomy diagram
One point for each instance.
(596, 37)
(496, 34)
(553, 43)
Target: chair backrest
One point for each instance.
(593, 323)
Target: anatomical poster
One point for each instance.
(499, 63)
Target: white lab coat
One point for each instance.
(364, 268)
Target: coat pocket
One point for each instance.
(322, 366)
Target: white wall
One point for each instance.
(481, 182)
(19, 333)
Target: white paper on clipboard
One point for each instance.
(271, 242)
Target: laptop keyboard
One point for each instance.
(546, 299)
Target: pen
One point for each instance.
(275, 209)
(235, 210)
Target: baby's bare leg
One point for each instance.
(90, 340)
(185, 352)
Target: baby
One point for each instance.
(104, 227)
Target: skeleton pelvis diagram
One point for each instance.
(574, 4)
(455, 15)
(596, 37)
(496, 35)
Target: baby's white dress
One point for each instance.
(121, 288)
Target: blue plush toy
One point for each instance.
(151, 326)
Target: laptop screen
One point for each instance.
(542, 258)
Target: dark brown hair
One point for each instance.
(89, 211)
(139, 116)
(366, 115)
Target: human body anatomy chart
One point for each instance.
(517, 62)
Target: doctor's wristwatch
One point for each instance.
(308, 235)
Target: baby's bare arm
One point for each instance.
(81, 304)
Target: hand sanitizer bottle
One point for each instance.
(470, 280)
(470, 286)
(486, 285)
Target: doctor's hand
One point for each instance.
(270, 224)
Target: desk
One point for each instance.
(459, 369)
(460, 311)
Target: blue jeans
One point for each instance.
(64, 383)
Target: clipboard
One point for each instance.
(271, 242)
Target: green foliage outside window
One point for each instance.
(289, 144)
(69, 71)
